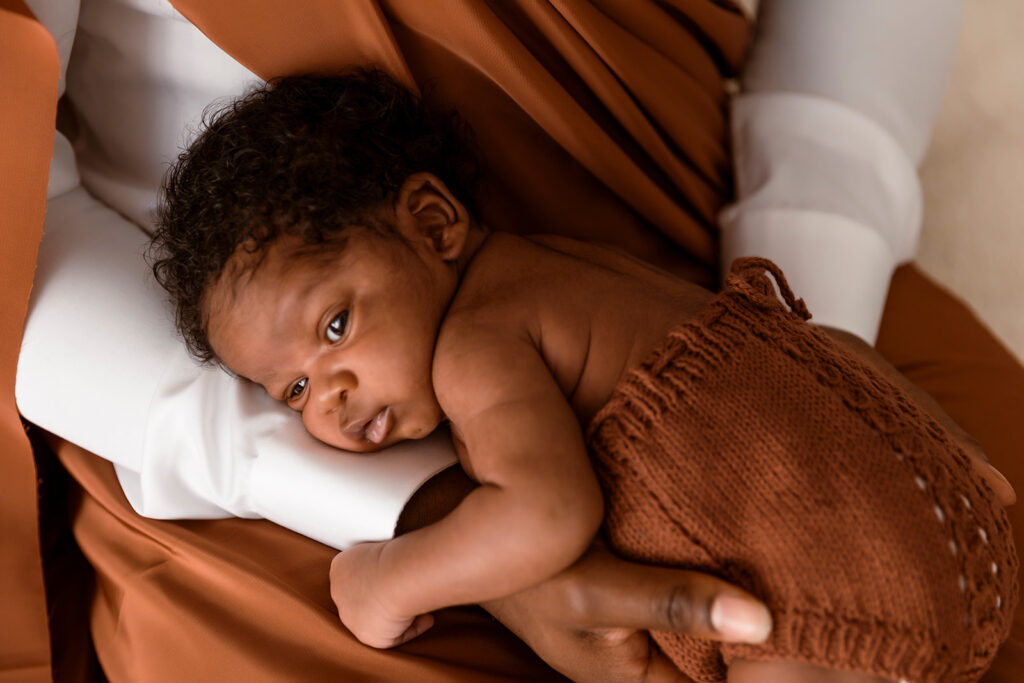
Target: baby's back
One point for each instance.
(594, 312)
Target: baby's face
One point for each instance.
(346, 337)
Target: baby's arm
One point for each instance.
(535, 512)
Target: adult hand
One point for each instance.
(590, 622)
(867, 354)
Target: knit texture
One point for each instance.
(752, 447)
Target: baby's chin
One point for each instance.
(346, 444)
(368, 448)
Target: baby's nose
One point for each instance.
(334, 389)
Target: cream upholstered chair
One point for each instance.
(973, 175)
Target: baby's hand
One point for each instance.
(355, 591)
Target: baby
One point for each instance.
(319, 239)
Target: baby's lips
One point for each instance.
(356, 430)
(377, 429)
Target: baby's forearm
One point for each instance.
(496, 542)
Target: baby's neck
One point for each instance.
(475, 238)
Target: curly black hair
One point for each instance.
(307, 156)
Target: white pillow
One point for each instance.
(60, 17)
(139, 79)
(101, 364)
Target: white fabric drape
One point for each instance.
(837, 105)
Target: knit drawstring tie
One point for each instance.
(747, 277)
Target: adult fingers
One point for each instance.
(869, 355)
(656, 667)
(611, 592)
(995, 479)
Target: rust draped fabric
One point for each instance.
(604, 119)
(29, 70)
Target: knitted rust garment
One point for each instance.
(752, 447)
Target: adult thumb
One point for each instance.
(627, 595)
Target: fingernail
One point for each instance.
(1000, 475)
(740, 620)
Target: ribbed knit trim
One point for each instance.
(980, 539)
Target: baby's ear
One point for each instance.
(428, 209)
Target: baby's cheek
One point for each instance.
(427, 423)
(327, 433)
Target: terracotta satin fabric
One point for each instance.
(603, 119)
(29, 70)
(245, 600)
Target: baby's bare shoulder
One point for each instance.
(496, 297)
(497, 310)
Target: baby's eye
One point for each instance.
(297, 389)
(336, 328)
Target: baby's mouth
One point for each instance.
(374, 430)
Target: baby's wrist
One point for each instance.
(394, 589)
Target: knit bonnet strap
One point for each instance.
(747, 277)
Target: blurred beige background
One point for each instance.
(972, 240)
(973, 175)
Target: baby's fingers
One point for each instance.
(419, 626)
